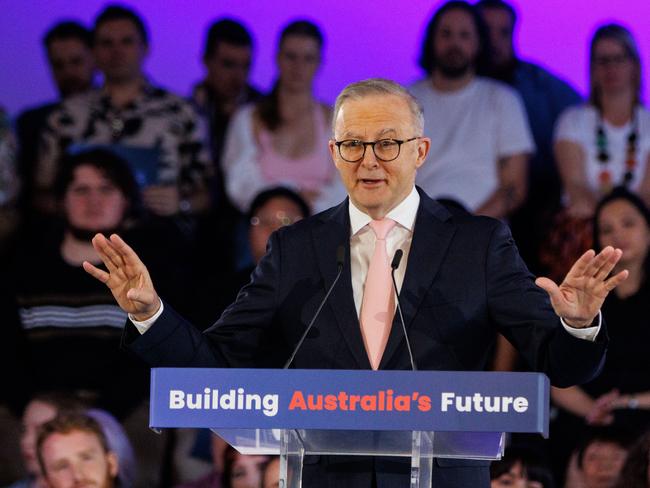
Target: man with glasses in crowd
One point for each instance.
(461, 280)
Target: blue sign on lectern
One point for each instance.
(349, 400)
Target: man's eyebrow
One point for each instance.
(385, 132)
(350, 135)
(355, 135)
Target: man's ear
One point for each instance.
(424, 144)
(113, 464)
(332, 146)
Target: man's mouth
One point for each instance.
(371, 182)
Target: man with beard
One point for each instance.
(480, 140)
(227, 58)
(73, 452)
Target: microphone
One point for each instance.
(394, 265)
(340, 261)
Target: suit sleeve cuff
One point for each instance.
(144, 325)
(588, 333)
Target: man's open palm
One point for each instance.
(127, 277)
(582, 293)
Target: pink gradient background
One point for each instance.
(363, 38)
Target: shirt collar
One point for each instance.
(147, 90)
(404, 214)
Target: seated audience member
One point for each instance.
(68, 46)
(71, 326)
(242, 471)
(283, 138)
(270, 210)
(271, 473)
(598, 460)
(41, 408)
(231, 469)
(480, 140)
(158, 132)
(73, 451)
(620, 395)
(508, 472)
(636, 470)
(519, 469)
(118, 442)
(602, 144)
(227, 58)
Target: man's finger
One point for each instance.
(616, 280)
(107, 252)
(101, 275)
(551, 288)
(608, 265)
(581, 265)
(127, 254)
(598, 262)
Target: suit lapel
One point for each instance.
(432, 235)
(332, 231)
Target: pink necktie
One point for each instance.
(378, 304)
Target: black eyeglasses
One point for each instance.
(353, 150)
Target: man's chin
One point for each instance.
(454, 71)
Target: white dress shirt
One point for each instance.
(362, 246)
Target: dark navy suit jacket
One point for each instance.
(464, 282)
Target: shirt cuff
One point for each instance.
(145, 324)
(588, 333)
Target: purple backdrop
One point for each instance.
(364, 38)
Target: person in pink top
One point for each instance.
(283, 139)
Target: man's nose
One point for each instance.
(77, 472)
(369, 159)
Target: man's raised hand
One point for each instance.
(127, 277)
(582, 293)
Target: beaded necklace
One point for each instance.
(605, 177)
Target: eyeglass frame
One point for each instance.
(372, 143)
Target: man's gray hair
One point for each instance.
(380, 86)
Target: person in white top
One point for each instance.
(480, 138)
(606, 142)
(281, 140)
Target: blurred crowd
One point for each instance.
(198, 183)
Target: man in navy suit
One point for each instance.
(461, 281)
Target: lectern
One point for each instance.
(423, 415)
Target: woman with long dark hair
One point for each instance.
(283, 139)
(620, 395)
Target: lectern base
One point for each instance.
(425, 446)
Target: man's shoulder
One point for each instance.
(35, 113)
(71, 114)
(541, 76)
